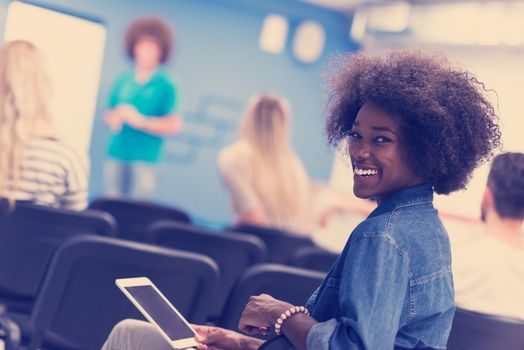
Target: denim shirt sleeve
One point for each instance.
(373, 287)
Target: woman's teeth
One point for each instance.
(365, 172)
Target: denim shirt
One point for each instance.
(392, 285)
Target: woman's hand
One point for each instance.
(215, 338)
(260, 314)
(113, 120)
(131, 116)
(125, 113)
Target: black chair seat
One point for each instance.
(477, 331)
(79, 302)
(134, 216)
(280, 244)
(29, 237)
(285, 283)
(313, 258)
(233, 252)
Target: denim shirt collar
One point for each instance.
(408, 195)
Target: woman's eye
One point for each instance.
(354, 135)
(382, 139)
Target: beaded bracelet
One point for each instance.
(287, 314)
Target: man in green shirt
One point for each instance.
(142, 111)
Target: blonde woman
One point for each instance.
(35, 164)
(266, 180)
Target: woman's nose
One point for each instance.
(359, 151)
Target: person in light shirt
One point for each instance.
(267, 182)
(489, 265)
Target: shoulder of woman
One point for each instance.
(72, 150)
(125, 76)
(234, 155)
(165, 77)
(298, 164)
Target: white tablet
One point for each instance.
(159, 311)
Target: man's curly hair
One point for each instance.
(448, 123)
(152, 27)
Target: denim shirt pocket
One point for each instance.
(327, 305)
(431, 294)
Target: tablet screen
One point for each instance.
(166, 318)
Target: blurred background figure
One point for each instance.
(142, 105)
(267, 182)
(35, 163)
(488, 264)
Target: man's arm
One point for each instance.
(162, 126)
(157, 125)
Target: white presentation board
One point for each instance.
(73, 48)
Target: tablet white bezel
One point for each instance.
(123, 283)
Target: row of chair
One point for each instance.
(79, 302)
(470, 330)
(234, 252)
(134, 217)
(82, 290)
(30, 235)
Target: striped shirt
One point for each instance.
(54, 174)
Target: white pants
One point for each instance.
(135, 334)
(135, 179)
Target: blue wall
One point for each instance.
(217, 65)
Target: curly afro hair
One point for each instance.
(506, 180)
(449, 125)
(152, 27)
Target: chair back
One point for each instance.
(233, 252)
(80, 303)
(29, 236)
(476, 331)
(285, 283)
(280, 244)
(313, 258)
(134, 216)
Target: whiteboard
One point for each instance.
(73, 49)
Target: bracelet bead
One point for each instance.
(291, 311)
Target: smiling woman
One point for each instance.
(415, 125)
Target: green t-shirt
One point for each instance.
(157, 97)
